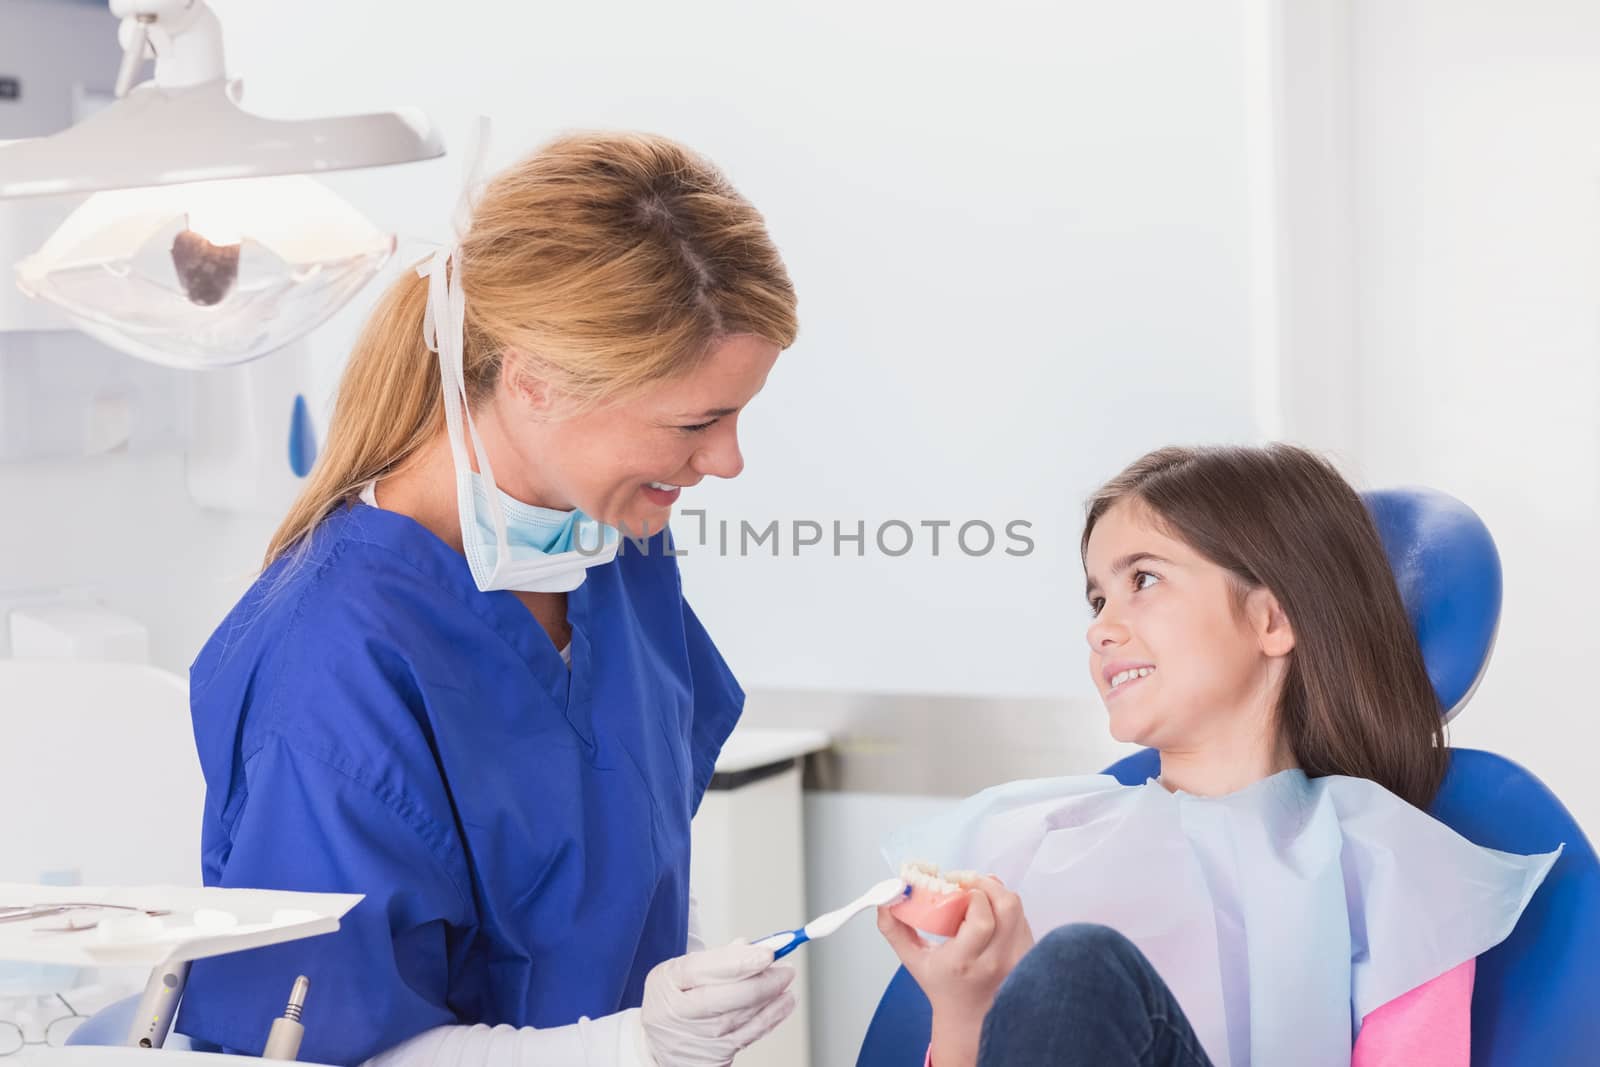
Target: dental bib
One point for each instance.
(1279, 915)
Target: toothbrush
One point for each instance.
(786, 941)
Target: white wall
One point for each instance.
(1021, 242)
(1023, 245)
(123, 530)
(1048, 230)
(1477, 222)
(1038, 224)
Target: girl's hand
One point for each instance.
(962, 976)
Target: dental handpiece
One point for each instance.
(283, 1042)
(159, 1004)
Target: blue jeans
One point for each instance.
(1086, 996)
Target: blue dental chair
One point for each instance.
(1534, 996)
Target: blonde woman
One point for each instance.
(459, 688)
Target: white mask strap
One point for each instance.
(447, 297)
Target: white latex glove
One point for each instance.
(702, 1008)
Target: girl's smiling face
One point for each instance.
(1185, 658)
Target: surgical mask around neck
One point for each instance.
(508, 544)
(542, 530)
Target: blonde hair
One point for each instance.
(605, 262)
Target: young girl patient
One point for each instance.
(1278, 895)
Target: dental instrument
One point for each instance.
(283, 1042)
(786, 941)
(25, 913)
(159, 1004)
(130, 932)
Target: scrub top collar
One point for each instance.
(570, 687)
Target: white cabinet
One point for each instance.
(747, 867)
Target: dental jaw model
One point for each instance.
(937, 903)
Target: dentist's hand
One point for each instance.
(962, 975)
(702, 1008)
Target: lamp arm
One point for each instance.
(184, 37)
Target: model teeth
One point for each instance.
(1128, 676)
(664, 487)
(927, 876)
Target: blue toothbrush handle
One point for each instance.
(796, 939)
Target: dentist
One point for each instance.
(458, 688)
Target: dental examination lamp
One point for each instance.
(205, 243)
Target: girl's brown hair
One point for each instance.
(1357, 699)
(603, 263)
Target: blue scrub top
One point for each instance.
(369, 722)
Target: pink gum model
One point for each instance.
(937, 905)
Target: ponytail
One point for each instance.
(388, 407)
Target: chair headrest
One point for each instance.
(1448, 571)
